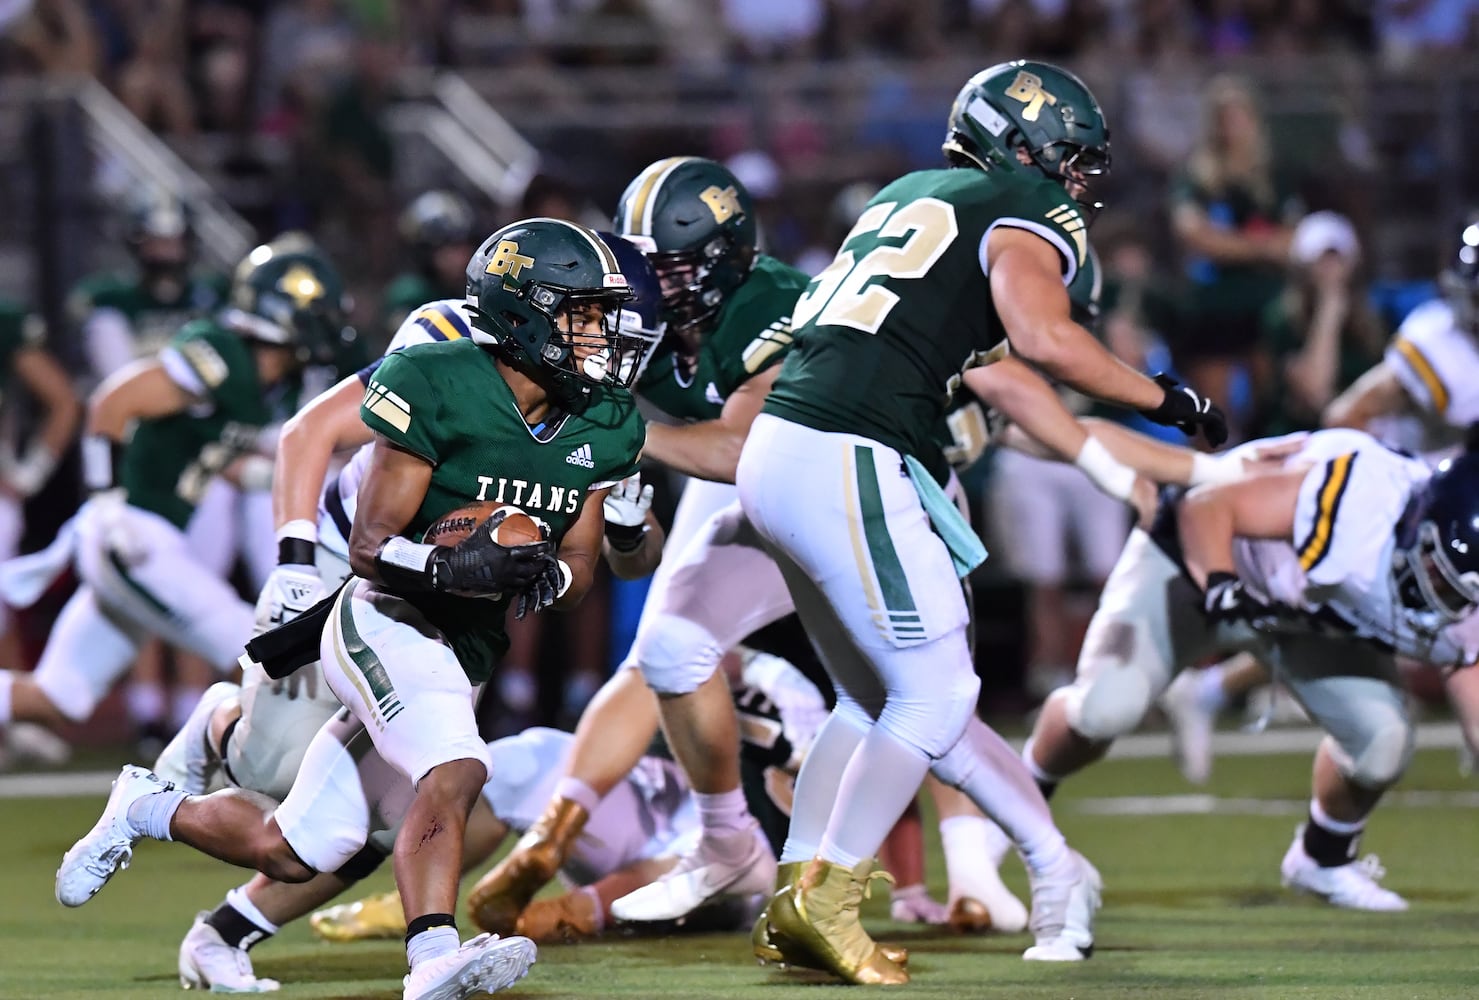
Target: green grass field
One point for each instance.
(1193, 908)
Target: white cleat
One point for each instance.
(209, 963)
(1063, 909)
(1351, 886)
(187, 760)
(28, 741)
(484, 964)
(108, 846)
(1192, 724)
(698, 878)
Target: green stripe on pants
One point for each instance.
(897, 599)
(367, 663)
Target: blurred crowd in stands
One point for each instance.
(1236, 250)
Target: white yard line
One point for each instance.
(1430, 735)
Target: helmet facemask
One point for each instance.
(692, 287)
(585, 344)
(1427, 580)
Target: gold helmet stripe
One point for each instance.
(639, 208)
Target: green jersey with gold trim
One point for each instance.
(169, 460)
(152, 321)
(448, 403)
(883, 334)
(752, 334)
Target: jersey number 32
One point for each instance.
(845, 294)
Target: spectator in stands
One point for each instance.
(1321, 333)
(1228, 212)
(58, 37)
(152, 83)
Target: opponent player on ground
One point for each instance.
(1428, 369)
(941, 267)
(1328, 569)
(182, 420)
(496, 419)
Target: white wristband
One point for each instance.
(33, 470)
(300, 528)
(566, 577)
(403, 553)
(97, 462)
(255, 474)
(1214, 470)
(1112, 476)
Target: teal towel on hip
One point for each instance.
(966, 550)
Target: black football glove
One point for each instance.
(540, 594)
(1226, 599)
(479, 567)
(1188, 411)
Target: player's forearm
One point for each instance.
(1376, 393)
(1205, 523)
(1070, 354)
(299, 471)
(1155, 460)
(582, 569)
(1031, 404)
(634, 564)
(707, 450)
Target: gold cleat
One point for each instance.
(369, 919)
(501, 895)
(816, 924)
(969, 916)
(768, 952)
(568, 918)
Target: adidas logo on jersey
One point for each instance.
(712, 395)
(581, 456)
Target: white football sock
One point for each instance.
(816, 785)
(1002, 787)
(577, 791)
(974, 848)
(881, 780)
(7, 681)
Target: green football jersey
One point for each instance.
(883, 334)
(753, 333)
(169, 461)
(153, 321)
(448, 403)
(19, 329)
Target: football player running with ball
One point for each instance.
(404, 644)
(840, 477)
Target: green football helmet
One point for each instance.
(1033, 110)
(527, 279)
(287, 293)
(696, 223)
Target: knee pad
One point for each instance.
(1106, 704)
(675, 655)
(935, 724)
(1382, 759)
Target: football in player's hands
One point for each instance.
(511, 525)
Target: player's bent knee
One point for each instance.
(278, 861)
(676, 656)
(72, 701)
(936, 723)
(1385, 756)
(1107, 705)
